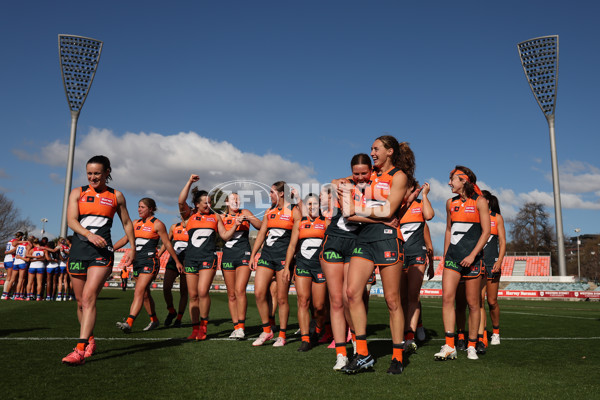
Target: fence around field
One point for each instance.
(523, 276)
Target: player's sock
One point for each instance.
(361, 345)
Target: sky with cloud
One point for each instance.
(272, 90)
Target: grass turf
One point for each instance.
(550, 349)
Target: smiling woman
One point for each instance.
(90, 213)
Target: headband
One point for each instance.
(466, 177)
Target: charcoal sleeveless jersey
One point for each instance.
(310, 238)
(180, 240)
(146, 240)
(280, 221)
(412, 226)
(202, 232)
(465, 228)
(491, 250)
(339, 225)
(239, 244)
(375, 196)
(96, 212)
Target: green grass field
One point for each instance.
(550, 349)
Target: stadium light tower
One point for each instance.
(539, 57)
(79, 57)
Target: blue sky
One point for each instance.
(270, 90)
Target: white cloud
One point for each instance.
(154, 165)
(583, 183)
(440, 191)
(437, 228)
(571, 167)
(53, 154)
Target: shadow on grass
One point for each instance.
(382, 351)
(135, 348)
(429, 335)
(107, 298)
(6, 332)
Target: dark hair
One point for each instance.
(150, 203)
(19, 234)
(105, 162)
(197, 195)
(469, 183)
(281, 186)
(403, 157)
(361, 159)
(492, 200)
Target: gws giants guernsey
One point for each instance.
(465, 228)
(202, 232)
(180, 238)
(280, 221)
(491, 250)
(375, 196)
(96, 212)
(310, 237)
(146, 239)
(412, 226)
(240, 240)
(340, 226)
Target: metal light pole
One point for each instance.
(44, 220)
(577, 230)
(539, 57)
(79, 57)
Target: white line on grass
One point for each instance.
(547, 315)
(148, 339)
(536, 314)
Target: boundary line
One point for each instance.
(129, 339)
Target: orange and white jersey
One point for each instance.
(180, 238)
(202, 232)
(280, 221)
(96, 212)
(465, 227)
(491, 249)
(310, 237)
(240, 237)
(375, 196)
(412, 226)
(146, 238)
(340, 226)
